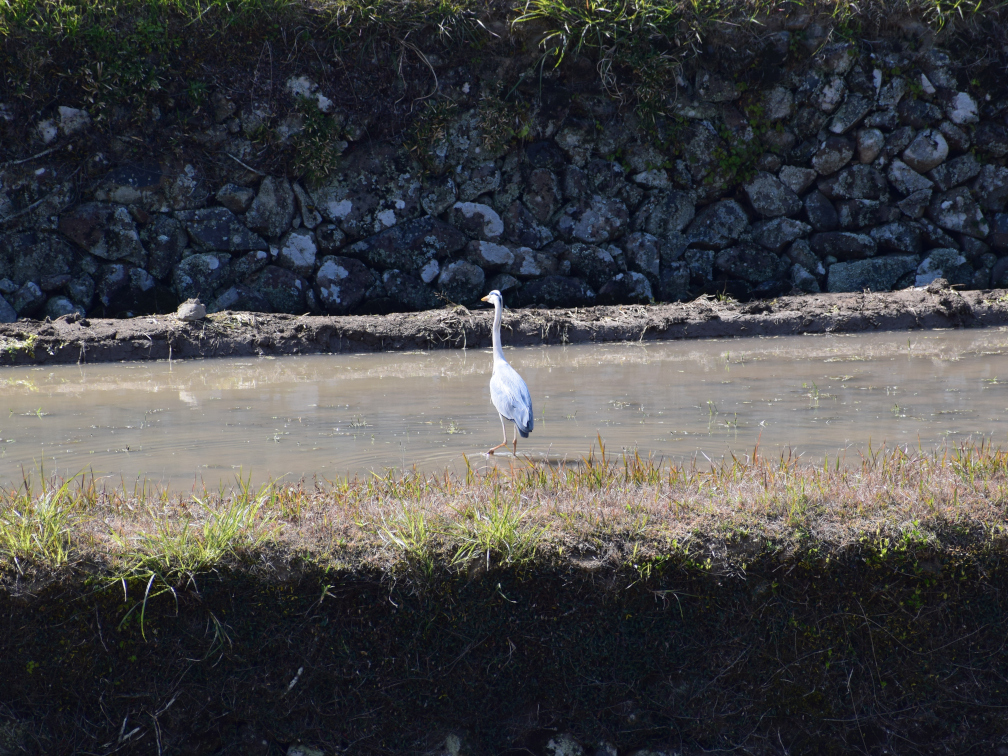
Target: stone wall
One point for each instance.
(844, 167)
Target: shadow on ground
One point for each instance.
(866, 653)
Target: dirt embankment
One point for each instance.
(852, 656)
(228, 334)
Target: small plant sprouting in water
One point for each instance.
(452, 428)
(813, 394)
(358, 422)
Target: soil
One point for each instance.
(857, 654)
(240, 334)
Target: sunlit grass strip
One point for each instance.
(618, 26)
(570, 25)
(621, 511)
(85, 21)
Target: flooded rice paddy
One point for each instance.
(326, 416)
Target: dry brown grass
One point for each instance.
(605, 511)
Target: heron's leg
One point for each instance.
(514, 441)
(504, 442)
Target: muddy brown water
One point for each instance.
(211, 420)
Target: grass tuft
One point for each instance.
(176, 548)
(500, 531)
(37, 529)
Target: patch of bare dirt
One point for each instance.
(235, 334)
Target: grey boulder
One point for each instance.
(832, 155)
(915, 204)
(165, 240)
(106, 231)
(282, 289)
(843, 245)
(198, 276)
(490, 256)
(664, 213)
(876, 274)
(944, 263)
(29, 255)
(461, 282)
(850, 114)
(957, 211)
(597, 221)
(626, 288)
(869, 144)
(991, 188)
(991, 138)
(819, 211)
(520, 227)
(854, 182)
(410, 246)
(342, 284)
(28, 300)
(409, 293)
(797, 179)
(477, 221)
(718, 225)
(643, 253)
(235, 198)
(594, 264)
(804, 281)
(272, 210)
(957, 171)
(59, 306)
(927, 150)
(898, 237)
(778, 233)
(905, 179)
(240, 297)
(219, 229)
(556, 291)
(7, 313)
(770, 197)
(673, 283)
(750, 263)
(297, 252)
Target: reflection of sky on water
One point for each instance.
(330, 415)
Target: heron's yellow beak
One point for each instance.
(485, 299)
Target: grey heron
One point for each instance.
(508, 391)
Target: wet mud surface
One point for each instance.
(159, 337)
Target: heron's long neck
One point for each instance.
(497, 350)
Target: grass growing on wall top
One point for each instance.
(122, 49)
(611, 24)
(155, 27)
(156, 23)
(136, 54)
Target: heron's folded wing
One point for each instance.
(511, 397)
